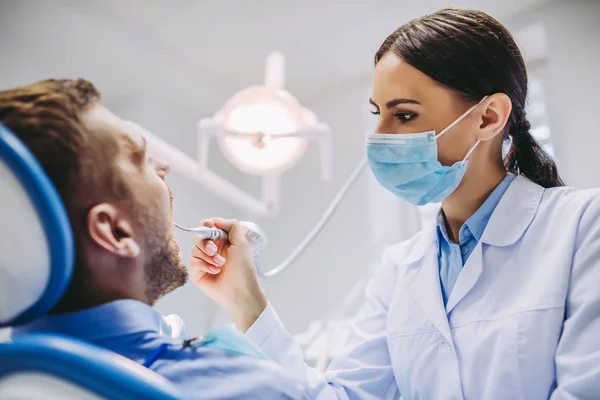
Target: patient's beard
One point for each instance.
(165, 271)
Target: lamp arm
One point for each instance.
(198, 172)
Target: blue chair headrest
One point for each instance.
(36, 241)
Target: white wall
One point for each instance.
(572, 82)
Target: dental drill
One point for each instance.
(257, 239)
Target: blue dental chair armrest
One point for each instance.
(103, 373)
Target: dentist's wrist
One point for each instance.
(247, 307)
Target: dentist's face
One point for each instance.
(406, 100)
(136, 227)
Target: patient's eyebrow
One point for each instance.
(138, 153)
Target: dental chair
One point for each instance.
(36, 261)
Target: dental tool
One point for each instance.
(205, 232)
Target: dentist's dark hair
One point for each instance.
(472, 53)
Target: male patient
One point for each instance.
(126, 254)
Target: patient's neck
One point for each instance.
(77, 300)
(103, 282)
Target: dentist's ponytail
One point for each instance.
(472, 53)
(528, 157)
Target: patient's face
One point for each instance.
(146, 206)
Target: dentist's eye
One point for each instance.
(405, 117)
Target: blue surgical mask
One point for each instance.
(407, 164)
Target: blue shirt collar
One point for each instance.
(478, 221)
(117, 318)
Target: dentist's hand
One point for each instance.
(226, 273)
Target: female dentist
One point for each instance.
(501, 298)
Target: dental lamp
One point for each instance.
(262, 130)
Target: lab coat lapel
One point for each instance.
(427, 292)
(467, 278)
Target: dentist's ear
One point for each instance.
(110, 230)
(494, 113)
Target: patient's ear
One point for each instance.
(111, 230)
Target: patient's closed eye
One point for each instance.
(161, 167)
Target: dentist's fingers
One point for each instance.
(208, 247)
(198, 268)
(214, 263)
(237, 235)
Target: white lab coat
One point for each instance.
(522, 322)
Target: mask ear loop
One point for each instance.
(456, 121)
(470, 151)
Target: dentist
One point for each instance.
(498, 300)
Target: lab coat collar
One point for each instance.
(418, 246)
(514, 213)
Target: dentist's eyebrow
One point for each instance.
(394, 102)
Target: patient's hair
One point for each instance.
(46, 117)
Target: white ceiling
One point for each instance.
(226, 41)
